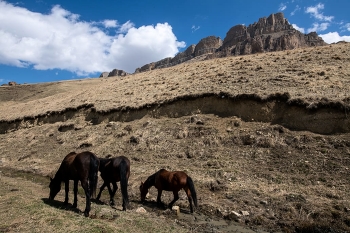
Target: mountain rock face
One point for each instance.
(273, 33)
(207, 45)
(268, 34)
(113, 73)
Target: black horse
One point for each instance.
(81, 167)
(114, 170)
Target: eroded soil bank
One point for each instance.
(321, 117)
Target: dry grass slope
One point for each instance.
(265, 134)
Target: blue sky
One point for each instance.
(52, 40)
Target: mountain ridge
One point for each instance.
(272, 33)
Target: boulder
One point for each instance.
(117, 72)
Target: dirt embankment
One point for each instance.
(275, 109)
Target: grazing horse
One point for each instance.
(114, 170)
(83, 167)
(170, 181)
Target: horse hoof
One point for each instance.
(86, 214)
(74, 205)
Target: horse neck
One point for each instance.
(59, 175)
(151, 180)
(103, 162)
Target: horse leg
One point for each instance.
(75, 194)
(189, 196)
(85, 186)
(112, 193)
(159, 201)
(101, 189)
(176, 197)
(66, 188)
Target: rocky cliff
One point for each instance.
(113, 73)
(273, 33)
(268, 34)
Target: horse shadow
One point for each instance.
(60, 205)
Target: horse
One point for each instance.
(114, 170)
(81, 167)
(170, 181)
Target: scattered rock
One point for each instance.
(233, 215)
(12, 83)
(263, 202)
(141, 210)
(245, 213)
(176, 209)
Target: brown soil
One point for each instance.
(267, 135)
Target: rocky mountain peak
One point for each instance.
(272, 33)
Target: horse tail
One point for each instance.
(93, 175)
(193, 191)
(123, 168)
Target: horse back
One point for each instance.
(117, 164)
(171, 181)
(76, 166)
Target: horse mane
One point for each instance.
(151, 180)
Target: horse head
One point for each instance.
(143, 191)
(55, 187)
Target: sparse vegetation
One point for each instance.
(221, 123)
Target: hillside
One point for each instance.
(267, 134)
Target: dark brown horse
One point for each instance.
(170, 181)
(81, 167)
(112, 171)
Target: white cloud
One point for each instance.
(126, 26)
(318, 27)
(298, 28)
(282, 7)
(315, 12)
(59, 40)
(109, 23)
(347, 26)
(297, 8)
(333, 37)
(194, 28)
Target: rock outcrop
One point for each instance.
(207, 45)
(268, 34)
(11, 83)
(113, 73)
(273, 33)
